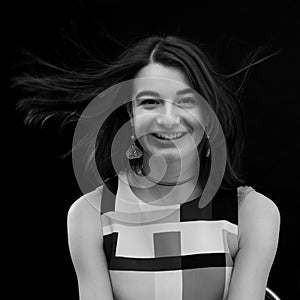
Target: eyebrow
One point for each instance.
(147, 93)
(185, 91)
(156, 94)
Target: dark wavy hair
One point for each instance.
(66, 92)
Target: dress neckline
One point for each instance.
(123, 177)
(123, 180)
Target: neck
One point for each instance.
(167, 183)
(169, 173)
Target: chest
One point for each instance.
(196, 232)
(170, 260)
(167, 239)
(167, 195)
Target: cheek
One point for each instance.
(198, 124)
(198, 135)
(142, 123)
(196, 119)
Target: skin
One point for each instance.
(164, 102)
(172, 109)
(259, 217)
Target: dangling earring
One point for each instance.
(208, 152)
(208, 149)
(133, 152)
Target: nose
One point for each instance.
(168, 117)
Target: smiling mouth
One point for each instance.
(169, 137)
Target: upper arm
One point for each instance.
(259, 222)
(85, 244)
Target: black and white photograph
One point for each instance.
(153, 150)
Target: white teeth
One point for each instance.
(169, 136)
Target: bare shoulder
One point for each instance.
(85, 211)
(87, 201)
(259, 220)
(85, 239)
(257, 205)
(258, 235)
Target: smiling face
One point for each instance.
(167, 115)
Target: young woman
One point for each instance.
(176, 221)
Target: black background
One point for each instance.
(42, 187)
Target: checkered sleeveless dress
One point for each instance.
(177, 252)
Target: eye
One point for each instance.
(187, 102)
(149, 102)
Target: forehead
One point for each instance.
(159, 78)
